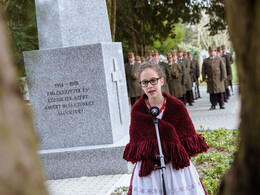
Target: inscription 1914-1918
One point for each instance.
(68, 98)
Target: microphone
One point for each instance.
(154, 111)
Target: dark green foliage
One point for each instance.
(21, 22)
(217, 16)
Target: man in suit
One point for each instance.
(214, 74)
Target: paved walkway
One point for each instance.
(202, 119)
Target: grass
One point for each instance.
(211, 165)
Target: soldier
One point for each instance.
(188, 85)
(229, 61)
(138, 59)
(169, 59)
(184, 75)
(219, 54)
(185, 55)
(142, 59)
(137, 86)
(149, 55)
(195, 67)
(176, 77)
(129, 67)
(165, 70)
(214, 74)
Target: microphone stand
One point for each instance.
(154, 111)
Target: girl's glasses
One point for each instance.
(153, 81)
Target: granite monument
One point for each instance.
(77, 90)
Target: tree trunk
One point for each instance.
(111, 9)
(132, 21)
(244, 26)
(113, 21)
(20, 166)
(142, 40)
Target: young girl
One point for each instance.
(179, 140)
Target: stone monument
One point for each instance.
(77, 90)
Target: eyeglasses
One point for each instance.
(153, 81)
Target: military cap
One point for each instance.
(184, 53)
(169, 55)
(218, 49)
(223, 47)
(189, 53)
(154, 52)
(173, 53)
(131, 54)
(179, 49)
(211, 48)
(137, 58)
(142, 59)
(149, 52)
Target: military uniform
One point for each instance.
(229, 61)
(137, 85)
(225, 94)
(213, 70)
(194, 66)
(175, 80)
(187, 88)
(166, 72)
(183, 80)
(131, 79)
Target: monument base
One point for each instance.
(86, 161)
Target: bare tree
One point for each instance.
(20, 166)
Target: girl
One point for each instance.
(178, 138)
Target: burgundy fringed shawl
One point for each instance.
(178, 137)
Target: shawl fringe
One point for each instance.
(146, 151)
(194, 144)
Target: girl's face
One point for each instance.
(152, 91)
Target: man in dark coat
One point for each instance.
(214, 74)
(195, 67)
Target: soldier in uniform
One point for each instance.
(195, 67)
(229, 61)
(165, 70)
(138, 59)
(149, 55)
(137, 86)
(129, 67)
(219, 54)
(214, 74)
(142, 59)
(176, 77)
(186, 63)
(184, 75)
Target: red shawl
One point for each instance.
(178, 137)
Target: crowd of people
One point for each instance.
(181, 72)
